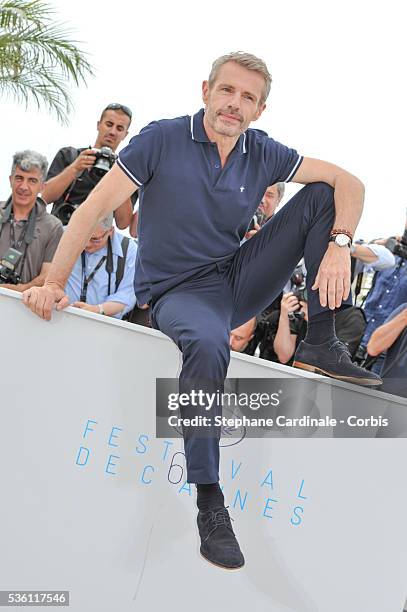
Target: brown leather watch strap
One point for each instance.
(336, 231)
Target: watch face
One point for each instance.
(342, 239)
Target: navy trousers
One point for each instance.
(199, 313)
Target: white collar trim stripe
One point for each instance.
(192, 127)
(244, 143)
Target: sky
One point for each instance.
(338, 90)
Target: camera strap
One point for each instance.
(26, 235)
(88, 279)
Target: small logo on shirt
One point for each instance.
(242, 188)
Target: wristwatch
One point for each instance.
(340, 239)
(101, 311)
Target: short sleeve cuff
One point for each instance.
(294, 169)
(128, 173)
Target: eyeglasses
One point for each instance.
(116, 106)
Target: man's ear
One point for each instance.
(260, 109)
(205, 91)
(98, 125)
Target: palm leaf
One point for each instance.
(38, 60)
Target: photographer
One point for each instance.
(392, 337)
(102, 278)
(269, 203)
(292, 327)
(241, 336)
(29, 235)
(75, 172)
(389, 290)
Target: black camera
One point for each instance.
(299, 289)
(252, 223)
(8, 265)
(105, 158)
(396, 247)
(65, 212)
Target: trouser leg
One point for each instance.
(197, 318)
(263, 264)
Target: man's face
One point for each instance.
(112, 128)
(241, 336)
(25, 187)
(234, 100)
(98, 239)
(270, 201)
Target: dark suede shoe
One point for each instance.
(333, 359)
(218, 541)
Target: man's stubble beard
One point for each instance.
(216, 124)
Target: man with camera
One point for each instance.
(392, 337)
(388, 291)
(75, 172)
(102, 278)
(292, 326)
(240, 336)
(29, 235)
(269, 203)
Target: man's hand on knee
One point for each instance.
(333, 277)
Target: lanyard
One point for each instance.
(109, 270)
(27, 233)
(87, 279)
(17, 244)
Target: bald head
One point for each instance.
(241, 336)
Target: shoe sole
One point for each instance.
(225, 567)
(365, 382)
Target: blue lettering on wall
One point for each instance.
(143, 479)
(298, 519)
(186, 487)
(143, 448)
(112, 435)
(168, 443)
(268, 507)
(235, 471)
(238, 497)
(111, 463)
(268, 480)
(79, 456)
(87, 428)
(300, 491)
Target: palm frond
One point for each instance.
(37, 58)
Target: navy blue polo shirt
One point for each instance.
(194, 213)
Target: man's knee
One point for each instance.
(321, 191)
(207, 344)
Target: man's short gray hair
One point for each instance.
(280, 190)
(27, 160)
(247, 60)
(107, 222)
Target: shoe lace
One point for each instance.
(217, 518)
(340, 347)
